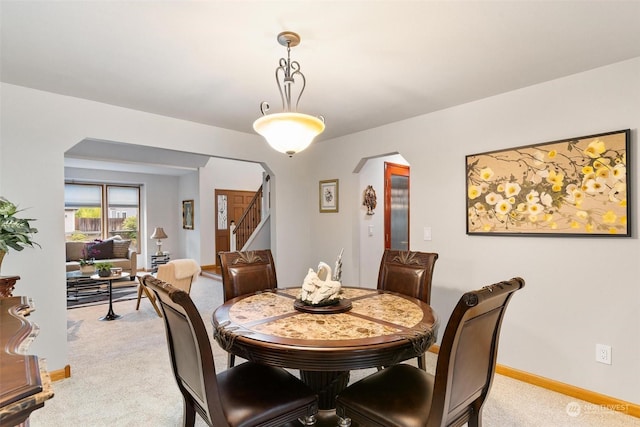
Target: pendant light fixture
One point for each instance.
(288, 132)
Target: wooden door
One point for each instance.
(230, 205)
(396, 206)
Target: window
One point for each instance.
(98, 211)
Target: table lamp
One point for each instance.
(159, 234)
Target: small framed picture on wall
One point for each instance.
(187, 214)
(328, 195)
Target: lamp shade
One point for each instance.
(289, 133)
(159, 233)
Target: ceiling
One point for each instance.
(367, 63)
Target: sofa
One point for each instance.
(115, 250)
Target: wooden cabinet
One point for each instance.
(25, 385)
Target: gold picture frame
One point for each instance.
(571, 187)
(187, 214)
(328, 195)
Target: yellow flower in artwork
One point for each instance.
(623, 220)
(595, 148)
(589, 227)
(602, 173)
(612, 230)
(609, 217)
(555, 177)
(473, 192)
(552, 154)
(556, 187)
(487, 227)
(601, 163)
(582, 214)
(512, 189)
(586, 170)
(486, 174)
(574, 224)
(535, 208)
(548, 217)
(503, 207)
(554, 225)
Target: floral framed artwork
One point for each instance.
(571, 187)
(187, 214)
(328, 195)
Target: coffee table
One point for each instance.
(110, 314)
(81, 285)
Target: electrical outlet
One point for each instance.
(603, 353)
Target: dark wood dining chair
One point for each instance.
(408, 273)
(245, 273)
(403, 395)
(246, 395)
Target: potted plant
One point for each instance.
(88, 259)
(103, 268)
(15, 233)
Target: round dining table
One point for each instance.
(368, 328)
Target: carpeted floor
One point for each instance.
(121, 376)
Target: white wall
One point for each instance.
(372, 246)
(37, 128)
(579, 292)
(189, 240)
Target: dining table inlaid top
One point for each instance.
(381, 328)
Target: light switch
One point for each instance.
(427, 233)
(371, 230)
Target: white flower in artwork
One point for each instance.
(493, 198)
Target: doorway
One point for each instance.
(396, 206)
(230, 205)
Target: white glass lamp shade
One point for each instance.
(289, 133)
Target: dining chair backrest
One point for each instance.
(190, 350)
(247, 272)
(248, 395)
(408, 273)
(405, 395)
(468, 352)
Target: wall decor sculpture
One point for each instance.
(571, 187)
(369, 199)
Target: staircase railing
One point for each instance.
(249, 220)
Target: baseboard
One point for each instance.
(606, 402)
(60, 374)
(211, 268)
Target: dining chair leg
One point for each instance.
(422, 362)
(231, 360)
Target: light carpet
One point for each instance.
(121, 376)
